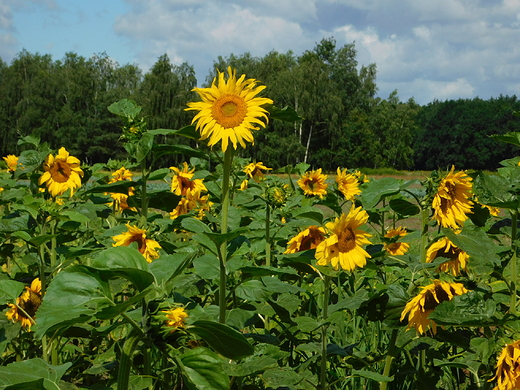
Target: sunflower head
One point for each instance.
(183, 183)
(62, 173)
(456, 258)
(394, 247)
(175, 318)
(310, 238)
(508, 368)
(12, 162)
(348, 184)
(229, 110)
(120, 175)
(451, 202)
(254, 171)
(26, 305)
(147, 247)
(420, 307)
(343, 248)
(313, 183)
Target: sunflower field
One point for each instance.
(222, 273)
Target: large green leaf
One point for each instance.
(31, 372)
(376, 190)
(372, 375)
(203, 370)
(10, 290)
(494, 190)
(470, 309)
(125, 108)
(223, 339)
(163, 200)
(511, 138)
(476, 243)
(286, 114)
(143, 147)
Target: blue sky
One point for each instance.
(426, 49)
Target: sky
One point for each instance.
(424, 49)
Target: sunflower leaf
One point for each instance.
(10, 290)
(377, 190)
(32, 374)
(203, 369)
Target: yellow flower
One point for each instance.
(121, 200)
(310, 238)
(229, 110)
(348, 184)
(457, 259)
(451, 202)
(244, 185)
(146, 246)
(313, 183)
(508, 368)
(12, 162)
(175, 318)
(396, 248)
(194, 202)
(420, 307)
(254, 171)
(182, 183)
(29, 302)
(61, 173)
(343, 247)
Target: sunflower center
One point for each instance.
(60, 171)
(229, 111)
(346, 240)
(31, 303)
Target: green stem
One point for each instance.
(144, 198)
(267, 235)
(514, 273)
(53, 245)
(424, 233)
(123, 375)
(228, 159)
(389, 358)
(324, 339)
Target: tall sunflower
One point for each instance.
(183, 183)
(395, 247)
(254, 171)
(26, 305)
(313, 183)
(456, 258)
(229, 110)
(348, 184)
(420, 307)
(344, 246)
(146, 246)
(62, 173)
(12, 162)
(309, 238)
(451, 203)
(508, 368)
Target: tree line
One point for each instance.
(343, 123)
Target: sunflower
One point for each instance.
(121, 200)
(254, 171)
(313, 183)
(244, 185)
(229, 110)
(147, 247)
(508, 368)
(195, 202)
(420, 307)
(26, 305)
(175, 318)
(62, 173)
(348, 184)
(343, 247)
(310, 238)
(394, 247)
(457, 258)
(451, 202)
(183, 182)
(12, 162)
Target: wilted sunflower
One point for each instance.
(254, 171)
(175, 318)
(348, 184)
(26, 305)
(344, 247)
(61, 173)
(12, 162)
(396, 247)
(310, 238)
(229, 110)
(456, 259)
(420, 307)
(146, 246)
(313, 183)
(508, 368)
(183, 183)
(451, 202)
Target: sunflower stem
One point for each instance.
(267, 235)
(389, 358)
(144, 199)
(228, 159)
(514, 273)
(424, 233)
(324, 339)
